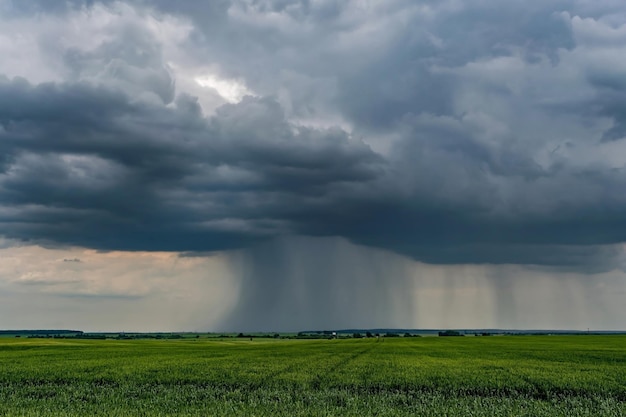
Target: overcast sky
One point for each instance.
(283, 164)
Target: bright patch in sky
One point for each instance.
(231, 90)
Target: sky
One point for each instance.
(283, 165)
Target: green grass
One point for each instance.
(430, 376)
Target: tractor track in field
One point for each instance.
(318, 380)
(340, 363)
(272, 376)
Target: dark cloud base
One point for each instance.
(125, 162)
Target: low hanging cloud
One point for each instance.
(444, 131)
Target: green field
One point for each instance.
(429, 376)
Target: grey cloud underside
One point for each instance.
(87, 166)
(482, 167)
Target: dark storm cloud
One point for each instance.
(381, 60)
(89, 167)
(488, 114)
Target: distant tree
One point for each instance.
(368, 335)
(357, 335)
(450, 333)
(407, 334)
(241, 335)
(276, 335)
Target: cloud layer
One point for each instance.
(448, 131)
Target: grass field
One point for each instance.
(430, 376)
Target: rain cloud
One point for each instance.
(449, 132)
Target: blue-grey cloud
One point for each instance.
(445, 131)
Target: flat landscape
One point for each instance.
(427, 376)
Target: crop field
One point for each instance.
(428, 376)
